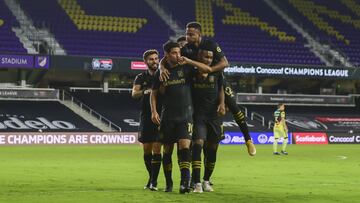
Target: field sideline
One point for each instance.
(311, 173)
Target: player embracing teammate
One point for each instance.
(194, 95)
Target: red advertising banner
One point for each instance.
(138, 65)
(310, 138)
(68, 138)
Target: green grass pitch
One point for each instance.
(311, 173)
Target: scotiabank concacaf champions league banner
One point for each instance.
(233, 138)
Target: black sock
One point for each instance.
(155, 168)
(237, 114)
(185, 165)
(196, 163)
(209, 163)
(241, 121)
(147, 161)
(167, 167)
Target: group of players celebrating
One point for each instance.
(183, 100)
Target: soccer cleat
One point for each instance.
(207, 187)
(147, 186)
(284, 152)
(169, 187)
(153, 187)
(276, 153)
(184, 187)
(251, 148)
(198, 188)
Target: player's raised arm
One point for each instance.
(201, 67)
(221, 65)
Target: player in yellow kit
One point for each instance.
(280, 129)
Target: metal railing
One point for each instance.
(245, 110)
(65, 96)
(258, 117)
(74, 89)
(270, 124)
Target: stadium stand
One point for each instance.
(333, 22)
(28, 116)
(9, 42)
(110, 28)
(248, 31)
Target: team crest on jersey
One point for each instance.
(211, 78)
(218, 49)
(180, 73)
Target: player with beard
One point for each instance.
(149, 133)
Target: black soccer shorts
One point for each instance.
(210, 130)
(149, 131)
(172, 131)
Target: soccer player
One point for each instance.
(181, 41)
(177, 110)
(194, 41)
(280, 129)
(209, 104)
(149, 134)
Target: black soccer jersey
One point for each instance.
(191, 51)
(206, 95)
(176, 100)
(146, 80)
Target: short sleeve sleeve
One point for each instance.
(218, 53)
(138, 80)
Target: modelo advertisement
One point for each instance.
(234, 138)
(344, 138)
(310, 138)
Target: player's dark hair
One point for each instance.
(181, 38)
(206, 47)
(149, 52)
(169, 45)
(194, 25)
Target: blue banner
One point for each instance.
(24, 61)
(257, 138)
